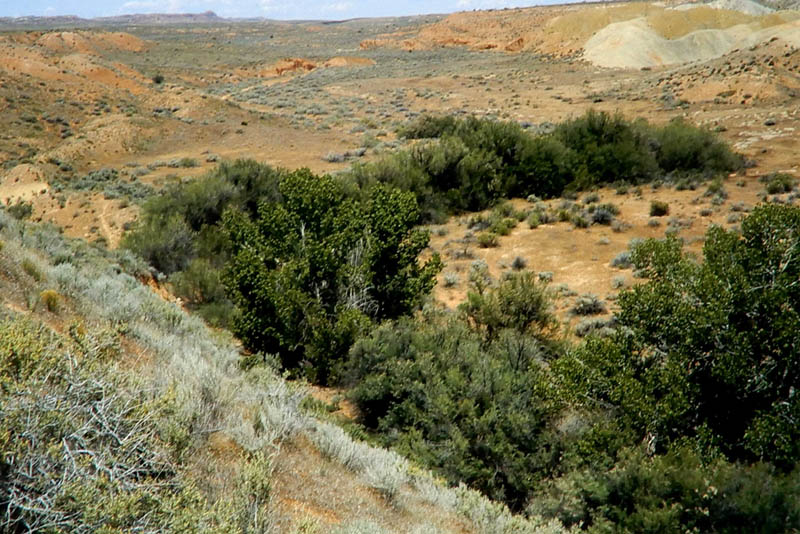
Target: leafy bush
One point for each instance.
(726, 320)
(487, 240)
(20, 210)
(673, 493)
(683, 147)
(778, 182)
(471, 163)
(608, 149)
(310, 271)
(659, 208)
(476, 415)
(521, 303)
(588, 305)
(428, 126)
(165, 243)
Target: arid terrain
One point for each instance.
(93, 120)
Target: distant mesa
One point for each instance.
(72, 21)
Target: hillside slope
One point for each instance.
(238, 447)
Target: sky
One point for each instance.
(274, 9)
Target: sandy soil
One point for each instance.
(86, 100)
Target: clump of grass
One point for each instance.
(31, 269)
(51, 299)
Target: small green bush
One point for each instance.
(578, 220)
(519, 263)
(20, 210)
(778, 182)
(588, 305)
(659, 208)
(602, 215)
(488, 240)
(622, 260)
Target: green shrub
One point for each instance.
(199, 283)
(20, 210)
(703, 317)
(471, 163)
(588, 305)
(476, 415)
(26, 352)
(716, 189)
(488, 240)
(309, 272)
(167, 244)
(519, 263)
(503, 226)
(608, 148)
(683, 147)
(520, 303)
(673, 493)
(622, 260)
(778, 182)
(591, 198)
(659, 208)
(579, 220)
(602, 215)
(428, 126)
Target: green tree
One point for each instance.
(711, 349)
(476, 413)
(310, 271)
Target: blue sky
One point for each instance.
(276, 9)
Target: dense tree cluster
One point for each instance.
(681, 415)
(684, 418)
(468, 164)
